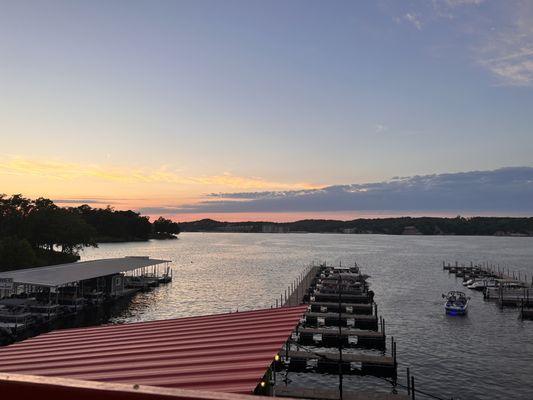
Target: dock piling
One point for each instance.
(408, 381)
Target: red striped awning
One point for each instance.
(225, 352)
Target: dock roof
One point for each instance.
(225, 352)
(61, 274)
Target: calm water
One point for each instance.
(487, 354)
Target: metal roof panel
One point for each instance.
(224, 352)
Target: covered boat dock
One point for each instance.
(228, 353)
(32, 297)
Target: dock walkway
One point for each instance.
(333, 394)
(299, 289)
(356, 308)
(362, 333)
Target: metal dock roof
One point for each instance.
(61, 274)
(225, 352)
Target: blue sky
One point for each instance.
(149, 104)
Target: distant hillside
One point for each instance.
(478, 226)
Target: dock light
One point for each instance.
(263, 384)
(276, 357)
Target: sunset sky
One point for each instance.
(273, 110)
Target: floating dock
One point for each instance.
(342, 314)
(333, 394)
(367, 309)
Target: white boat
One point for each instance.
(456, 303)
(482, 284)
(469, 282)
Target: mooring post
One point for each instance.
(412, 387)
(394, 353)
(408, 381)
(340, 338)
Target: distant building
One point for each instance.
(236, 228)
(272, 228)
(411, 230)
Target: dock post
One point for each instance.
(276, 303)
(408, 381)
(412, 388)
(394, 354)
(340, 338)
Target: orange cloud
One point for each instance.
(68, 171)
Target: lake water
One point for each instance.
(487, 354)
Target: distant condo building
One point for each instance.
(271, 228)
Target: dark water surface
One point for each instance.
(487, 354)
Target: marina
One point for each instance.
(506, 287)
(414, 313)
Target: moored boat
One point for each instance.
(482, 284)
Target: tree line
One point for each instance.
(476, 226)
(38, 232)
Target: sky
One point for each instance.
(271, 110)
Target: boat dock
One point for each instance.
(333, 394)
(35, 300)
(508, 288)
(328, 361)
(362, 321)
(341, 331)
(487, 270)
(367, 309)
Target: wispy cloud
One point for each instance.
(68, 171)
(506, 190)
(380, 128)
(413, 19)
(498, 35)
(82, 201)
(507, 52)
(424, 13)
(457, 3)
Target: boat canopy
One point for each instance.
(224, 353)
(62, 274)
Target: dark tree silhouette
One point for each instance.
(163, 225)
